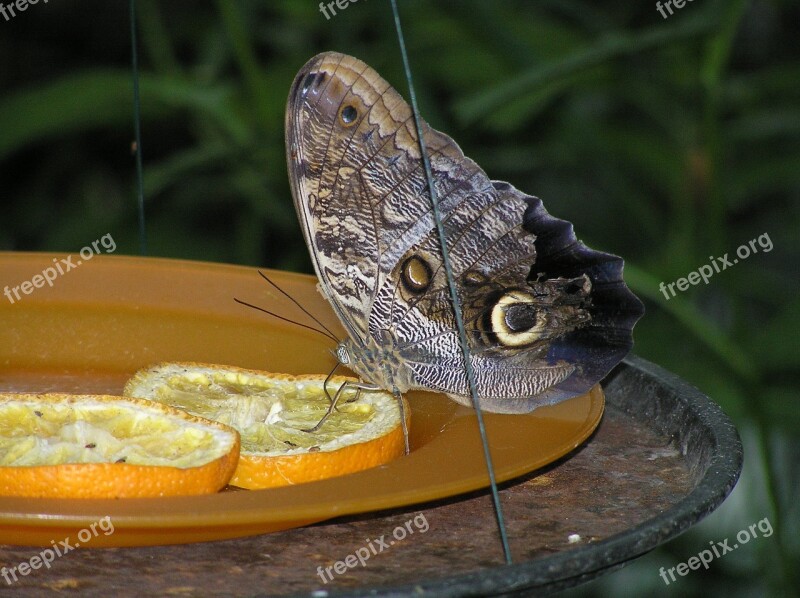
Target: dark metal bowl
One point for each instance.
(707, 443)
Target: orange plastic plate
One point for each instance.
(108, 317)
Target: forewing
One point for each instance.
(342, 124)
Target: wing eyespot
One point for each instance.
(416, 274)
(348, 115)
(514, 320)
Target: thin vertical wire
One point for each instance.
(453, 291)
(137, 118)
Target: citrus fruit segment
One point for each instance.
(98, 446)
(272, 413)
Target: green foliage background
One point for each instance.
(666, 141)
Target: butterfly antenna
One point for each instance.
(297, 303)
(498, 511)
(274, 315)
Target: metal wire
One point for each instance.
(462, 335)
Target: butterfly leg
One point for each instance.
(331, 407)
(325, 388)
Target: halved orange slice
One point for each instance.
(271, 412)
(98, 446)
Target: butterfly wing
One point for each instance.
(361, 196)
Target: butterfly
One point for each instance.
(546, 317)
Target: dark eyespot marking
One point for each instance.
(520, 317)
(416, 274)
(348, 114)
(514, 319)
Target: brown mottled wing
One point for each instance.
(360, 191)
(362, 200)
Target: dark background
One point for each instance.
(666, 141)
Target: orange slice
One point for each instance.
(97, 446)
(271, 412)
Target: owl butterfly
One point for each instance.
(546, 317)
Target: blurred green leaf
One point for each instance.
(609, 47)
(778, 344)
(104, 99)
(647, 285)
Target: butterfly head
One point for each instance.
(342, 353)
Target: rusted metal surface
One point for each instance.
(623, 475)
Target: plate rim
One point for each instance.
(41, 513)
